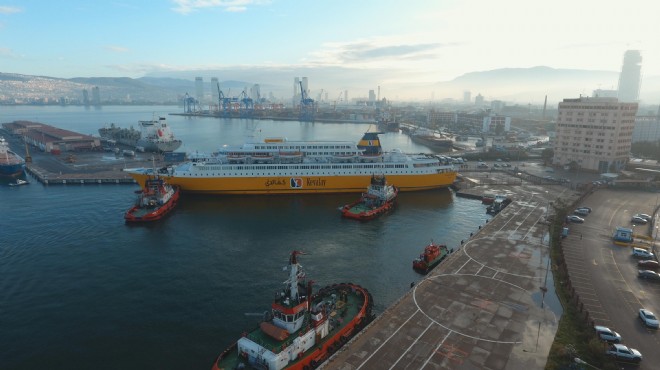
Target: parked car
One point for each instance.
(482, 165)
(585, 208)
(644, 216)
(642, 253)
(648, 274)
(621, 352)
(607, 334)
(581, 212)
(575, 219)
(652, 265)
(638, 220)
(648, 318)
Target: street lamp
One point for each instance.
(582, 362)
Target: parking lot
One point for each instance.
(604, 276)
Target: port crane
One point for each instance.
(247, 105)
(189, 104)
(307, 106)
(223, 103)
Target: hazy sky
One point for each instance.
(432, 40)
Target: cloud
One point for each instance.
(7, 53)
(378, 52)
(116, 49)
(189, 6)
(9, 10)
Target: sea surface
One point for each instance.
(79, 289)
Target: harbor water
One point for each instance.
(79, 289)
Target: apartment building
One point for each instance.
(594, 134)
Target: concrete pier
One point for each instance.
(484, 307)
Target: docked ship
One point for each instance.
(11, 164)
(432, 141)
(302, 328)
(279, 166)
(154, 202)
(379, 199)
(153, 136)
(431, 257)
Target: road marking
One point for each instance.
(411, 345)
(390, 337)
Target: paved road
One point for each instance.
(605, 275)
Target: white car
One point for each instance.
(581, 212)
(638, 220)
(648, 318)
(607, 334)
(576, 219)
(622, 352)
(644, 216)
(642, 253)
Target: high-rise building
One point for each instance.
(96, 96)
(467, 97)
(85, 97)
(305, 83)
(594, 133)
(479, 100)
(255, 92)
(630, 78)
(372, 96)
(199, 89)
(215, 95)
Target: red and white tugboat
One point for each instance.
(379, 199)
(303, 328)
(432, 256)
(154, 201)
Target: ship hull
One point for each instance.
(163, 146)
(139, 214)
(299, 184)
(11, 169)
(439, 145)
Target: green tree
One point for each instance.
(546, 155)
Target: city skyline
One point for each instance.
(395, 45)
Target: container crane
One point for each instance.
(247, 105)
(307, 106)
(189, 104)
(223, 103)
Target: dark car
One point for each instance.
(648, 274)
(652, 265)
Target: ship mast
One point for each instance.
(295, 274)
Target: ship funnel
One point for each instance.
(370, 143)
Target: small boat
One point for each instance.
(154, 201)
(379, 199)
(302, 328)
(19, 182)
(432, 256)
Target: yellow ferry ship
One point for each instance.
(279, 166)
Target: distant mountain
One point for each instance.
(515, 85)
(533, 84)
